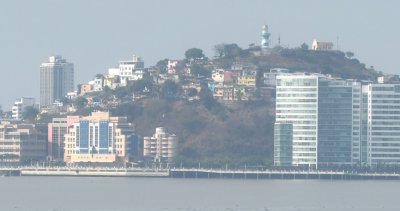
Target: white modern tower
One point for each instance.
(297, 103)
(56, 80)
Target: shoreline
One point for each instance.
(198, 173)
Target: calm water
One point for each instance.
(163, 194)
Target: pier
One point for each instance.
(196, 173)
(282, 174)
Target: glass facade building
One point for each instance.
(297, 103)
(324, 114)
(383, 124)
(337, 122)
(283, 144)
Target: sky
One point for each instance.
(96, 34)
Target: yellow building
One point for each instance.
(247, 80)
(100, 138)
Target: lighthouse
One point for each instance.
(265, 37)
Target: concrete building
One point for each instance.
(337, 122)
(270, 77)
(100, 138)
(247, 80)
(383, 124)
(324, 114)
(218, 75)
(171, 66)
(19, 106)
(131, 70)
(297, 103)
(283, 144)
(161, 146)
(321, 46)
(55, 136)
(56, 80)
(21, 143)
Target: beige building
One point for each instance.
(21, 143)
(100, 138)
(161, 146)
(247, 80)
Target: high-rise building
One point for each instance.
(324, 116)
(161, 146)
(336, 122)
(56, 80)
(283, 144)
(21, 143)
(297, 103)
(19, 106)
(100, 138)
(382, 124)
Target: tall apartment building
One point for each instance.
(55, 136)
(56, 80)
(336, 122)
(19, 106)
(382, 124)
(320, 112)
(161, 146)
(100, 138)
(21, 143)
(297, 104)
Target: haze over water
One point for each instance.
(160, 194)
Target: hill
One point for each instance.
(235, 135)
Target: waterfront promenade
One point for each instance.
(195, 173)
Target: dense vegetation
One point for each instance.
(214, 136)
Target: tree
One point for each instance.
(191, 92)
(101, 76)
(80, 103)
(198, 70)
(169, 89)
(162, 66)
(349, 54)
(304, 46)
(30, 113)
(228, 50)
(194, 53)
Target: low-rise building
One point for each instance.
(247, 80)
(171, 68)
(218, 75)
(321, 46)
(86, 88)
(55, 136)
(19, 106)
(270, 77)
(21, 143)
(161, 146)
(100, 138)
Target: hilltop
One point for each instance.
(335, 63)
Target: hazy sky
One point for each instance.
(97, 34)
